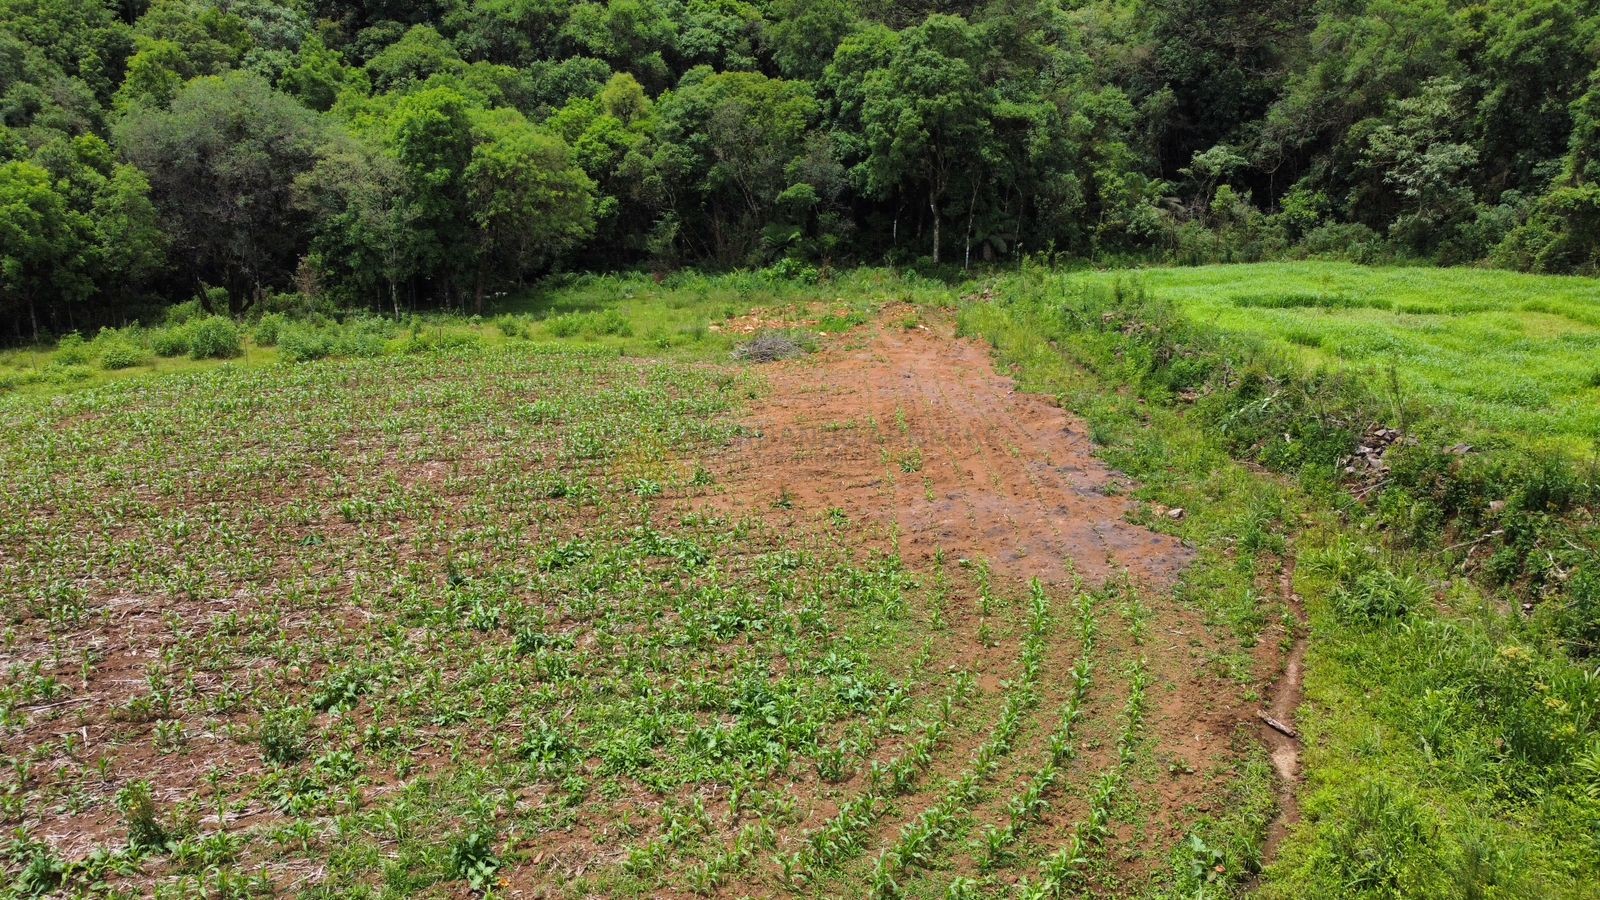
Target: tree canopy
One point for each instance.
(405, 155)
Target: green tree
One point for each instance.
(723, 150)
(430, 134)
(316, 75)
(803, 34)
(512, 32)
(720, 33)
(412, 60)
(1422, 159)
(130, 247)
(610, 135)
(222, 163)
(41, 255)
(365, 240)
(926, 115)
(155, 73)
(636, 36)
(83, 40)
(530, 203)
(1534, 58)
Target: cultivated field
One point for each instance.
(570, 603)
(561, 622)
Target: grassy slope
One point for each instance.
(1516, 356)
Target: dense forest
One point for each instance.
(404, 155)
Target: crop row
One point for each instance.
(1061, 872)
(920, 838)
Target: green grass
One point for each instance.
(1508, 356)
(686, 316)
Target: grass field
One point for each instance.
(684, 316)
(508, 607)
(1500, 355)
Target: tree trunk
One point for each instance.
(477, 292)
(33, 315)
(972, 209)
(933, 207)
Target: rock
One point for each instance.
(1175, 513)
(1496, 505)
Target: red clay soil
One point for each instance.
(913, 430)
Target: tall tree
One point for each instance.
(364, 233)
(222, 164)
(926, 115)
(41, 254)
(724, 145)
(530, 203)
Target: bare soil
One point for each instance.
(913, 429)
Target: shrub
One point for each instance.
(1379, 595)
(511, 326)
(266, 331)
(72, 350)
(790, 269)
(609, 321)
(548, 747)
(439, 339)
(214, 337)
(1351, 241)
(282, 734)
(303, 343)
(121, 354)
(138, 806)
(1560, 236)
(65, 374)
(185, 312)
(472, 859)
(1574, 614)
(362, 337)
(565, 325)
(173, 341)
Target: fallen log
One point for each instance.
(1277, 726)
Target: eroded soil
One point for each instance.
(914, 429)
